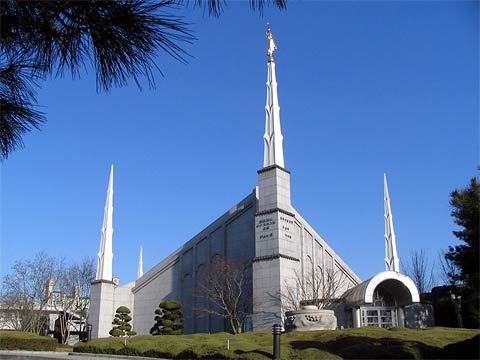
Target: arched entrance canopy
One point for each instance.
(400, 286)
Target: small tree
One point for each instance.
(71, 299)
(121, 323)
(224, 290)
(83, 273)
(320, 287)
(420, 271)
(168, 319)
(24, 294)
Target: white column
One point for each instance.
(357, 318)
(400, 316)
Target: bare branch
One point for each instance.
(450, 273)
(320, 287)
(44, 285)
(25, 292)
(420, 271)
(223, 290)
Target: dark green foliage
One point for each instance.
(17, 340)
(121, 323)
(121, 40)
(466, 204)
(123, 309)
(169, 319)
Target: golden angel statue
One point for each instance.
(271, 43)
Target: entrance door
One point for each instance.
(380, 316)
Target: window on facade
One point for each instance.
(379, 316)
(328, 261)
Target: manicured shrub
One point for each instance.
(168, 319)
(17, 340)
(121, 323)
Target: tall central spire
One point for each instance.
(392, 263)
(105, 253)
(273, 138)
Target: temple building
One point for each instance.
(282, 249)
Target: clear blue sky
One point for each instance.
(364, 88)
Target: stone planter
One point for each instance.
(310, 318)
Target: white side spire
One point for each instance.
(273, 138)
(140, 264)
(392, 263)
(105, 253)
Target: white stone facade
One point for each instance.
(231, 236)
(105, 298)
(279, 244)
(263, 229)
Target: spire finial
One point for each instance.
(105, 253)
(271, 44)
(140, 264)
(273, 139)
(392, 262)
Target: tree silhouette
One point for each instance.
(120, 40)
(466, 205)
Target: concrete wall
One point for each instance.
(315, 248)
(105, 298)
(279, 243)
(231, 235)
(419, 316)
(101, 308)
(122, 296)
(288, 248)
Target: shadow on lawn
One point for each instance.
(260, 352)
(467, 349)
(363, 347)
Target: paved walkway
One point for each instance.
(49, 355)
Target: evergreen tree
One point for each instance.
(121, 40)
(121, 323)
(168, 319)
(466, 203)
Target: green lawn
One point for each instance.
(363, 343)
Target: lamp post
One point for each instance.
(89, 332)
(276, 331)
